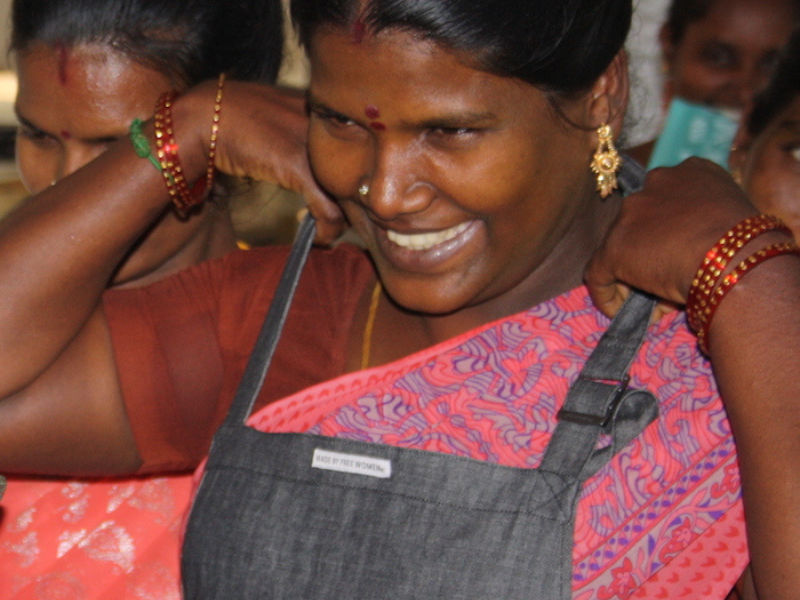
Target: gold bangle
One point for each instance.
(212, 147)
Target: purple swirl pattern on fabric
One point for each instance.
(493, 395)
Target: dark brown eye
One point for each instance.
(718, 56)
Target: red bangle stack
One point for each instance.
(167, 154)
(182, 196)
(710, 284)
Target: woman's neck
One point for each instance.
(398, 332)
(176, 243)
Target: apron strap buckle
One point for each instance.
(598, 420)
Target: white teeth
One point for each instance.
(425, 241)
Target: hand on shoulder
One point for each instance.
(663, 232)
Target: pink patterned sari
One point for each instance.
(662, 520)
(116, 539)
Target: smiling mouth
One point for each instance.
(425, 241)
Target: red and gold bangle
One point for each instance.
(713, 266)
(734, 277)
(167, 154)
(212, 147)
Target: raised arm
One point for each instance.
(61, 410)
(657, 245)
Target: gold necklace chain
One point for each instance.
(366, 344)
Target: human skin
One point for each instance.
(726, 57)
(72, 103)
(481, 202)
(769, 165)
(61, 410)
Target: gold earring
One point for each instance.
(736, 174)
(606, 161)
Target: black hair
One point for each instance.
(783, 88)
(187, 40)
(682, 13)
(560, 46)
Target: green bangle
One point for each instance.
(141, 144)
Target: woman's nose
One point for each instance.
(397, 184)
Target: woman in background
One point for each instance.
(766, 152)
(86, 70)
(720, 53)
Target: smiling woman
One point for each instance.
(479, 206)
(452, 171)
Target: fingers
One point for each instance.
(330, 221)
(663, 307)
(609, 298)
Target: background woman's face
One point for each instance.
(72, 103)
(473, 180)
(727, 57)
(771, 169)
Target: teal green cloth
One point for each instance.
(694, 130)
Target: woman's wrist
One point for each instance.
(191, 117)
(742, 250)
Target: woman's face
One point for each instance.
(727, 57)
(473, 180)
(72, 103)
(770, 167)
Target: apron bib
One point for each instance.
(306, 517)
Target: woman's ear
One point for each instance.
(609, 95)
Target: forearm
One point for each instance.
(58, 251)
(755, 350)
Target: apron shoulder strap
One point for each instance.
(270, 333)
(599, 401)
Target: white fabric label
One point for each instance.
(351, 463)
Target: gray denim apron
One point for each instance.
(407, 524)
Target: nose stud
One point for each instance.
(363, 190)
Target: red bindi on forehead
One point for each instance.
(62, 53)
(359, 31)
(65, 135)
(372, 112)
